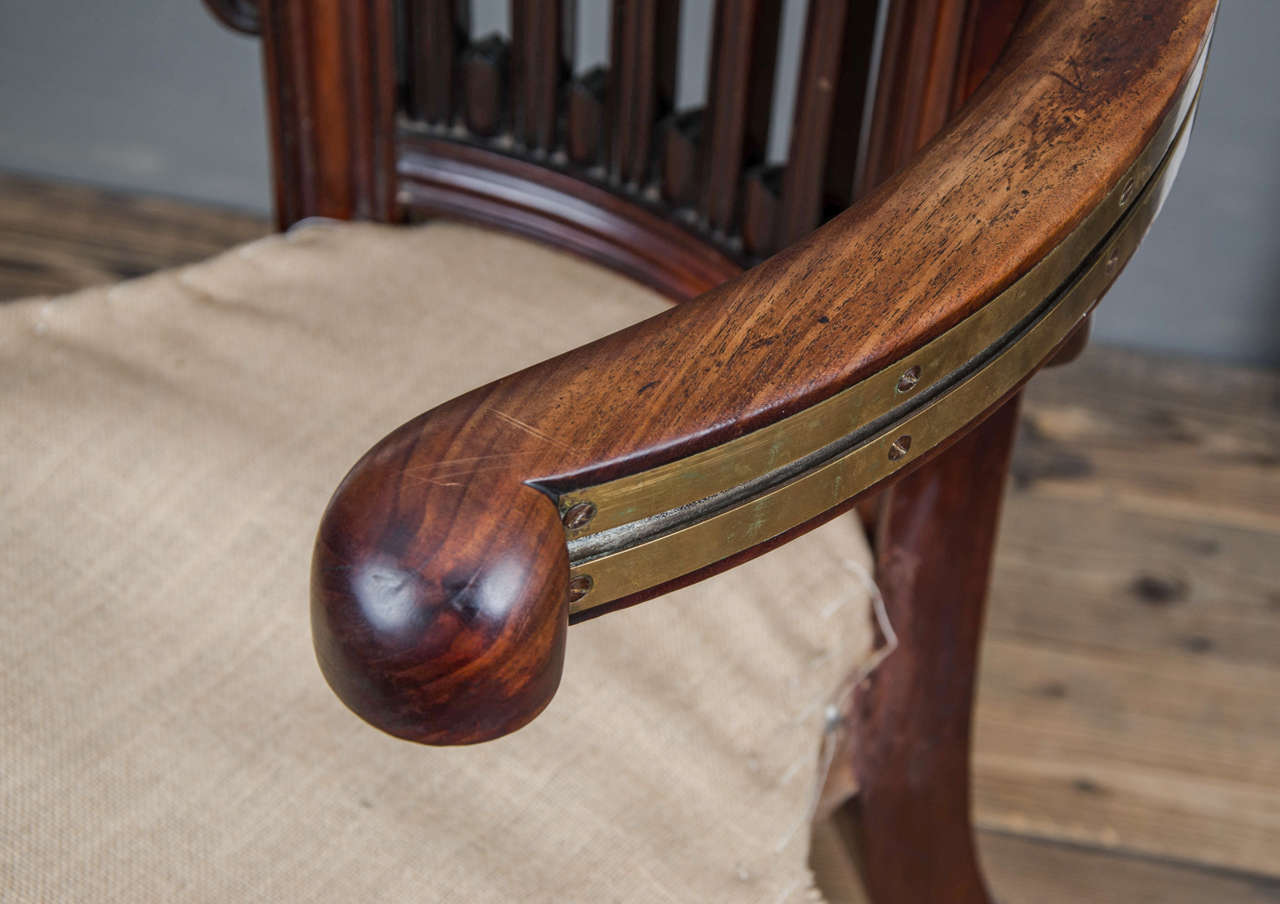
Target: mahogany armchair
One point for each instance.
(964, 180)
(828, 356)
(843, 343)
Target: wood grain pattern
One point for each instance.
(1030, 870)
(57, 237)
(1025, 869)
(990, 197)
(482, 666)
(1131, 683)
(1089, 783)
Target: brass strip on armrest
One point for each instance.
(657, 525)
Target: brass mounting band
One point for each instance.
(659, 524)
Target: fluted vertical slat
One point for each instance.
(632, 89)
(680, 138)
(936, 52)
(484, 77)
(904, 73)
(536, 68)
(743, 28)
(434, 28)
(940, 82)
(850, 106)
(666, 49)
(712, 160)
(586, 117)
(761, 188)
(764, 57)
(800, 209)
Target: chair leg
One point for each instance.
(910, 819)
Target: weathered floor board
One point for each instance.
(1128, 731)
(57, 237)
(1130, 685)
(1028, 871)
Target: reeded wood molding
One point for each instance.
(330, 72)
(434, 32)
(800, 209)
(439, 177)
(447, 510)
(633, 88)
(537, 66)
(742, 64)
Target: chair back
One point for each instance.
(394, 110)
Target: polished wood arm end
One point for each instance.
(439, 596)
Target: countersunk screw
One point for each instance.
(579, 587)
(1126, 193)
(899, 447)
(910, 377)
(579, 516)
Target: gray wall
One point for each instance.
(137, 94)
(1207, 279)
(154, 95)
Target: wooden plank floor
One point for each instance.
(1130, 693)
(57, 237)
(1128, 731)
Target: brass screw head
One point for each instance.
(900, 447)
(579, 515)
(579, 587)
(910, 377)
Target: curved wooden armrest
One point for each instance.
(453, 556)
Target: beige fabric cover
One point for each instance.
(166, 449)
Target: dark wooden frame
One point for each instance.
(559, 163)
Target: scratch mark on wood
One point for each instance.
(527, 428)
(1066, 81)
